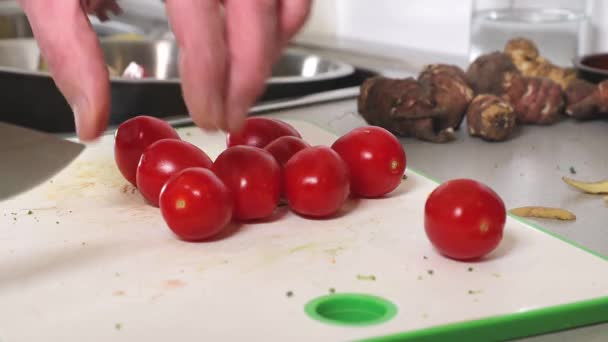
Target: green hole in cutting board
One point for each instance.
(351, 309)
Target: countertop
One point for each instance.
(526, 170)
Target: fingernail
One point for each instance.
(79, 108)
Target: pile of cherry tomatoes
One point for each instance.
(269, 161)
(266, 162)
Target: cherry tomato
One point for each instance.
(260, 131)
(196, 204)
(464, 219)
(254, 178)
(316, 182)
(285, 147)
(375, 158)
(131, 139)
(163, 159)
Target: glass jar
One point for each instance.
(559, 28)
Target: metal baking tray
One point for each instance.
(30, 97)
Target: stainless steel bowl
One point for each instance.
(30, 97)
(14, 24)
(299, 66)
(19, 53)
(159, 59)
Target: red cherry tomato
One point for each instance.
(316, 182)
(260, 131)
(195, 204)
(131, 139)
(464, 219)
(254, 178)
(375, 158)
(163, 159)
(285, 147)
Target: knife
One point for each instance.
(29, 158)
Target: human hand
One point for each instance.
(227, 48)
(226, 57)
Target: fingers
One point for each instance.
(223, 72)
(292, 16)
(198, 29)
(252, 34)
(75, 60)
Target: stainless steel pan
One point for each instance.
(159, 59)
(29, 94)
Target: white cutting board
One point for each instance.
(92, 262)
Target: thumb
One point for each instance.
(75, 60)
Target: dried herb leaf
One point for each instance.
(600, 187)
(544, 212)
(366, 277)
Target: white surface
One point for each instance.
(92, 255)
(433, 25)
(440, 26)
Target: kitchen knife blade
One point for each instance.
(29, 158)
